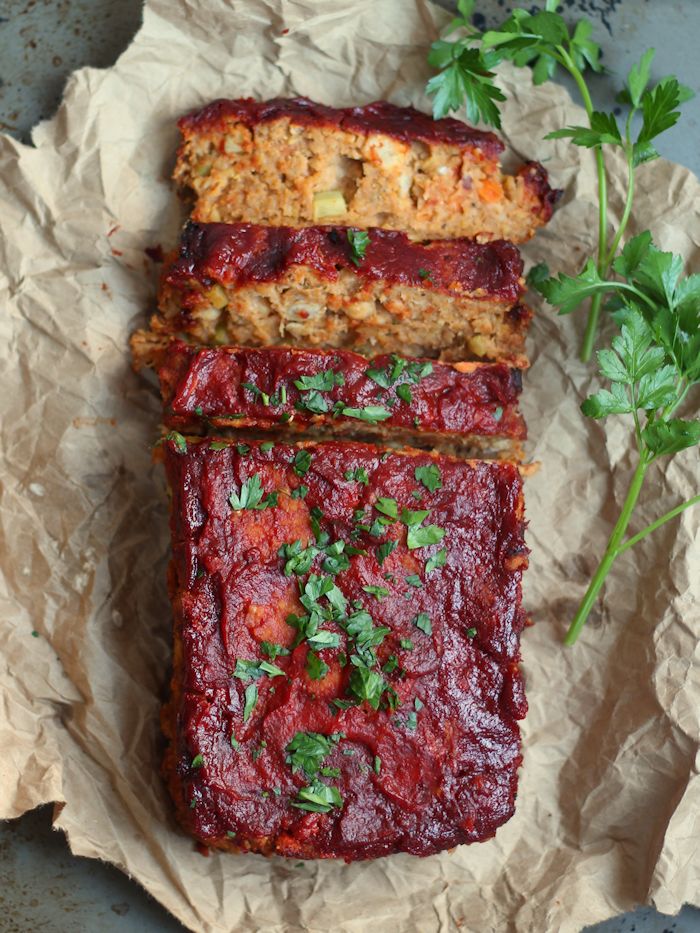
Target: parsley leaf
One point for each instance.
(423, 535)
(251, 699)
(429, 476)
(307, 750)
(437, 560)
(371, 413)
(321, 382)
(359, 241)
(318, 798)
(251, 496)
(315, 667)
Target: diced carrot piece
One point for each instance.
(490, 191)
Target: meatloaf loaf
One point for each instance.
(347, 620)
(371, 291)
(278, 389)
(294, 162)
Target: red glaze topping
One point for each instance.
(404, 123)
(217, 384)
(241, 254)
(433, 762)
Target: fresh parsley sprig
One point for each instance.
(545, 42)
(652, 365)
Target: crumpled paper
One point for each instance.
(609, 804)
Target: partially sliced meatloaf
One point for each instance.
(334, 392)
(370, 291)
(347, 622)
(294, 162)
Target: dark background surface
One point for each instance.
(42, 886)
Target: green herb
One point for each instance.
(387, 507)
(414, 580)
(422, 621)
(424, 274)
(406, 644)
(241, 449)
(418, 704)
(429, 476)
(367, 685)
(497, 413)
(320, 382)
(379, 591)
(254, 670)
(297, 559)
(330, 772)
(359, 475)
(377, 764)
(197, 761)
(359, 241)
(336, 560)
(235, 744)
(219, 445)
(423, 535)
(437, 560)
(371, 413)
(230, 834)
(307, 750)
(313, 402)
(384, 550)
(471, 633)
(273, 650)
(178, 440)
(199, 411)
(256, 392)
(315, 667)
(392, 662)
(267, 446)
(251, 698)
(410, 518)
(300, 492)
(318, 798)
(404, 393)
(251, 496)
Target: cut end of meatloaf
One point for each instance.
(346, 675)
(280, 389)
(297, 163)
(245, 284)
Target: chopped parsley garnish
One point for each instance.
(257, 392)
(307, 750)
(251, 496)
(267, 446)
(359, 241)
(178, 440)
(437, 560)
(423, 535)
(318, 798)
(411, 721)
(197, 761)
(379, 591)
(404, 393)
(424, 274)
(367, 685)
(418, 704)
(315, 667)
(253, 670)
(429, 476)
(199, 411)
(392, 662)
(411, 518)
(497, 413)
(377, 764)
(300, 492)
(414, 580)
(323, 639)
(320, 382)
(273, 650)
(359, 476)
(406, 644)
(242, 449)
(387, 507)
(313, 402)
(219, 445)
(471, 633)
(371, 413)
(422, 621)
(251, 698)
(302, 462)
(235, 744)
(230, 834)
(384, 550)
(336, 560)
(298, 559)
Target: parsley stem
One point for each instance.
(612, 552)
(657, 524)
(594, 311)
(628, 200)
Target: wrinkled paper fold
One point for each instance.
(609, 804)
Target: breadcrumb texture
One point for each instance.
(431, 764)
(246, 284)
(294, 162)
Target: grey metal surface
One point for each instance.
(42, 886)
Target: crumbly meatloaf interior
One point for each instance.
(304, 309)
(283, 172)
(343, 708)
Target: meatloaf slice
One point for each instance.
(473, 406)
(346, 680)
(330, 287)
(295, 162)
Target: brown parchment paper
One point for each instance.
(608, 810)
